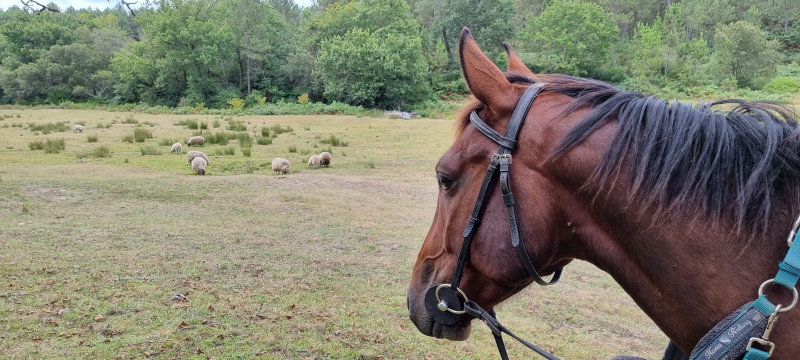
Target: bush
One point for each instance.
(48, 128)
(263, 140)
(130, 120)
(54, 146)
(91, 138)
(149, 150)
(245, 141)
(783, 85)
(36, 145)
(101, 152)
(235, 125)
(140, 135)
(128, 138)
(292, 149)
(246, 152)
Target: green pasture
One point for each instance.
(97, 239)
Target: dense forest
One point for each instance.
(390, 54)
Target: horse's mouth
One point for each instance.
(425, 324)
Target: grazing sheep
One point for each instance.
(177, 148)
(196, 140)
(193, 154)
(313, 161)
(324, 159)
(78, 128)
(199, 165)
(280, 165)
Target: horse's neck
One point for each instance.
(685, 276)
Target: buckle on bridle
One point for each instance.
(501, 157)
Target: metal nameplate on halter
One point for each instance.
(502, 156)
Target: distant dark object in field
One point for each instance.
(196, 140)
(400, 114)
(280, 165)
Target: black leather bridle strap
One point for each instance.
(516, 238)
(474, 219)
(498, 329)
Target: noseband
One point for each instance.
(446, 303)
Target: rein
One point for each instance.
(446, 303)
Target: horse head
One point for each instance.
(494, 271)
(667, 198)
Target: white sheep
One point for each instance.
(324, 159)
(193, 154)
(280, 165)
(199, 165)
(196, 140)
(313, 161)
(177, 148)
(78, 128)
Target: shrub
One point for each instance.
(263, 140)
(237, 126)
(91, 138)
(149, 150)
(783, 85)
(245, 141)
(48, 128)
(302, 99)
(236, 103)
(216, 124)
(54, 146)
(140, 135)
(36, 145)
(246, 152)
(277, 129)
(101, 152)
(225, 151)
(192, 124)
(167, 142)
(130, 120)
(103, 126)
(218, 138)
(127, 138)
(292, 149)
(265, 131)
(204, 125)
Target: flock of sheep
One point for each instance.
(199, 161)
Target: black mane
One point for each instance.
(740, 163)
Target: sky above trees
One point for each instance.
(98, 4)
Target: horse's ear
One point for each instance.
(483, 77)
(515, 64)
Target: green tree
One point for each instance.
(373, 65)
(571, 37)
(647, 58)
(743, 53)
(185, 44)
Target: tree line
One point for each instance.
(391, 54)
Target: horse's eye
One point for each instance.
(444, 182)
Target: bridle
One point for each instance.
(446, 303)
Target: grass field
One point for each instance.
(97, 239)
